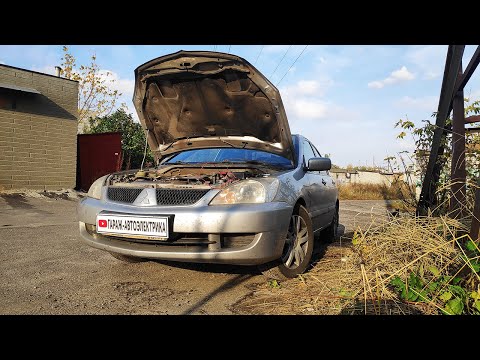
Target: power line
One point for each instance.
(258, 55)
(283, 57)
(229, 46)
(298, 57)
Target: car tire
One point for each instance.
(297, 251)
(126, 258)
(331, 232)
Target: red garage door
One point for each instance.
(98, 155)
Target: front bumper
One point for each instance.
(269, 223)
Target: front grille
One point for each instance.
(179, 196)
(180, 239)
(125, 195)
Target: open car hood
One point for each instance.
(201, 99)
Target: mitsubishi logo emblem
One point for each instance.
(145, 200)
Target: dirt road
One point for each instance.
(47, 269)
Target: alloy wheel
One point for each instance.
(296, 244)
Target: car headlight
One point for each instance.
(95, 190)
(246, 192)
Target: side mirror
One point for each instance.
(319, 164)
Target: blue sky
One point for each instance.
(345, 99)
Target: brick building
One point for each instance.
(38, 130)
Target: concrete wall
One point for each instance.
(368, 177)
(38, 132)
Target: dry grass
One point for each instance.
(354, 277)
(355, 191)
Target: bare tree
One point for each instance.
(96, 96)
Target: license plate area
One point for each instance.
(147, 227)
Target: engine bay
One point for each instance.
(185, 176)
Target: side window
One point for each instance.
(317, 154)
(307, 152)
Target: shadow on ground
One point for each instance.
(230, 284)
(321, 246)
(16, 201)
(213, 268)
(318, 252)
(19, 201)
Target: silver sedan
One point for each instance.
(231, 184)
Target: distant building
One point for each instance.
(38, 130)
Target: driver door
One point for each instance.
(315, 189)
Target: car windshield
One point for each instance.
(216, 155)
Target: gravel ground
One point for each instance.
(47, 269)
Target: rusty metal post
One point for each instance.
(452, 66)
(475, 228)
(458, 172)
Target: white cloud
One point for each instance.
(303, 99)
(376, 84)
(396, 76)
(308, 108)
(399, 75)
(305, 105)
(2, 62)
(125, 86)
(47, 69)
(307, 87)
(31, 57)
(429, 59)
(335, 131)
(429, 103)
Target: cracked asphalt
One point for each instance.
(47, 269)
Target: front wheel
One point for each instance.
(297, 251)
